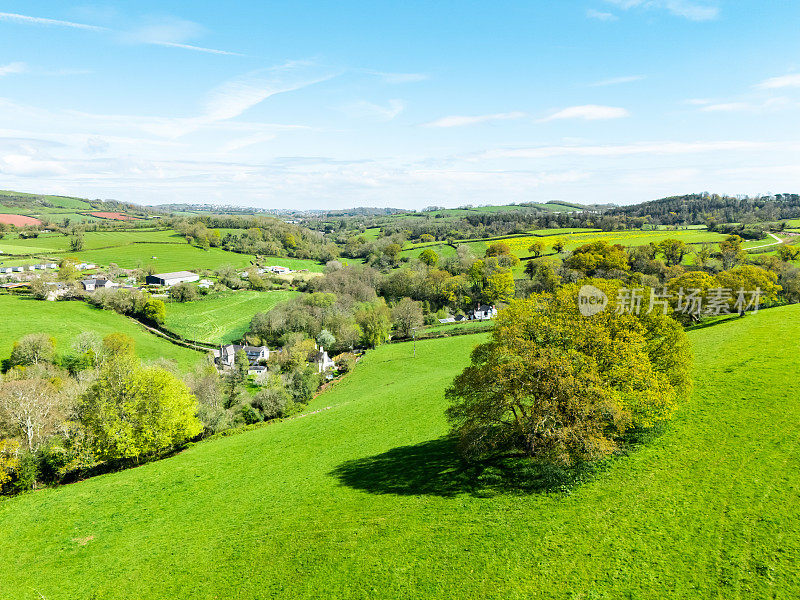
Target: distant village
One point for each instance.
(17, 277)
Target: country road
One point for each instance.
(775, 243)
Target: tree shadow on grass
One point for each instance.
(434, 468)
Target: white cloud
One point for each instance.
(395, 78)
(600, 15)
(461, 121)
(169, 32)
(13, 68)
(645, 148)
(248, 141)
(785, 81)
(770, 104)
(24, 19)
(370, 110)
(616, 81)
(727, 107)
(239, 94)
(588, 112)
(693, 10)
(22, 165)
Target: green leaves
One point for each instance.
(134, 411)
(562, 387)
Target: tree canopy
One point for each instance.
(561, 387)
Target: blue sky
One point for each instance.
(405, 104)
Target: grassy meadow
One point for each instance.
(221, 318)
(163, 257)
(366, 499)
(519, 244)
(137, 248)
(66, 320)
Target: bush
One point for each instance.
(249, 414)
(273, 402)
(345, 362)
(183, 292)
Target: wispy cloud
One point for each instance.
(727, 107)
(600, 15)
(784, 81)
(239, 94)
(172, 33)
(770, 104)
(370, 110)
(645, 148)
(13, 68)
(27, 20)
(461, 121)
(395, 78)
(616, 81)
(588, 112)
(694, 10)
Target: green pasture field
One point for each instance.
(220, 318)
(519, 244)
(92, 240)
(367, 499)
(169, 257)
(457, 327)
(58, 217)
(297, 264)
(372, 233)
(562, 231)
(65, 320)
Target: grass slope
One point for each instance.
(221, 318)
(363, 500)
(66, 320)
(168, 257)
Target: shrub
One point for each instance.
(183, 292)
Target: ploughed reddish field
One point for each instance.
(114, 216)
(18, 220)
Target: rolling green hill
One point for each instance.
(221, 318)
(366, 499)
(66, 320)
(55, 209)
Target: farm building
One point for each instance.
(278, 270)
(172, 278)
(226, 355)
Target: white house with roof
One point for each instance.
(323, 361)
(91, 285)
(226, 355)
(482, 312)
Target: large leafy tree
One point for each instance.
(375, 321)
(750, 278)
(673, 251)
(598, 257)
(731, 252)
(562, 387)
(407, 315)
(499, 287)
(133, 411)
(155, 311)
(33, 349)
